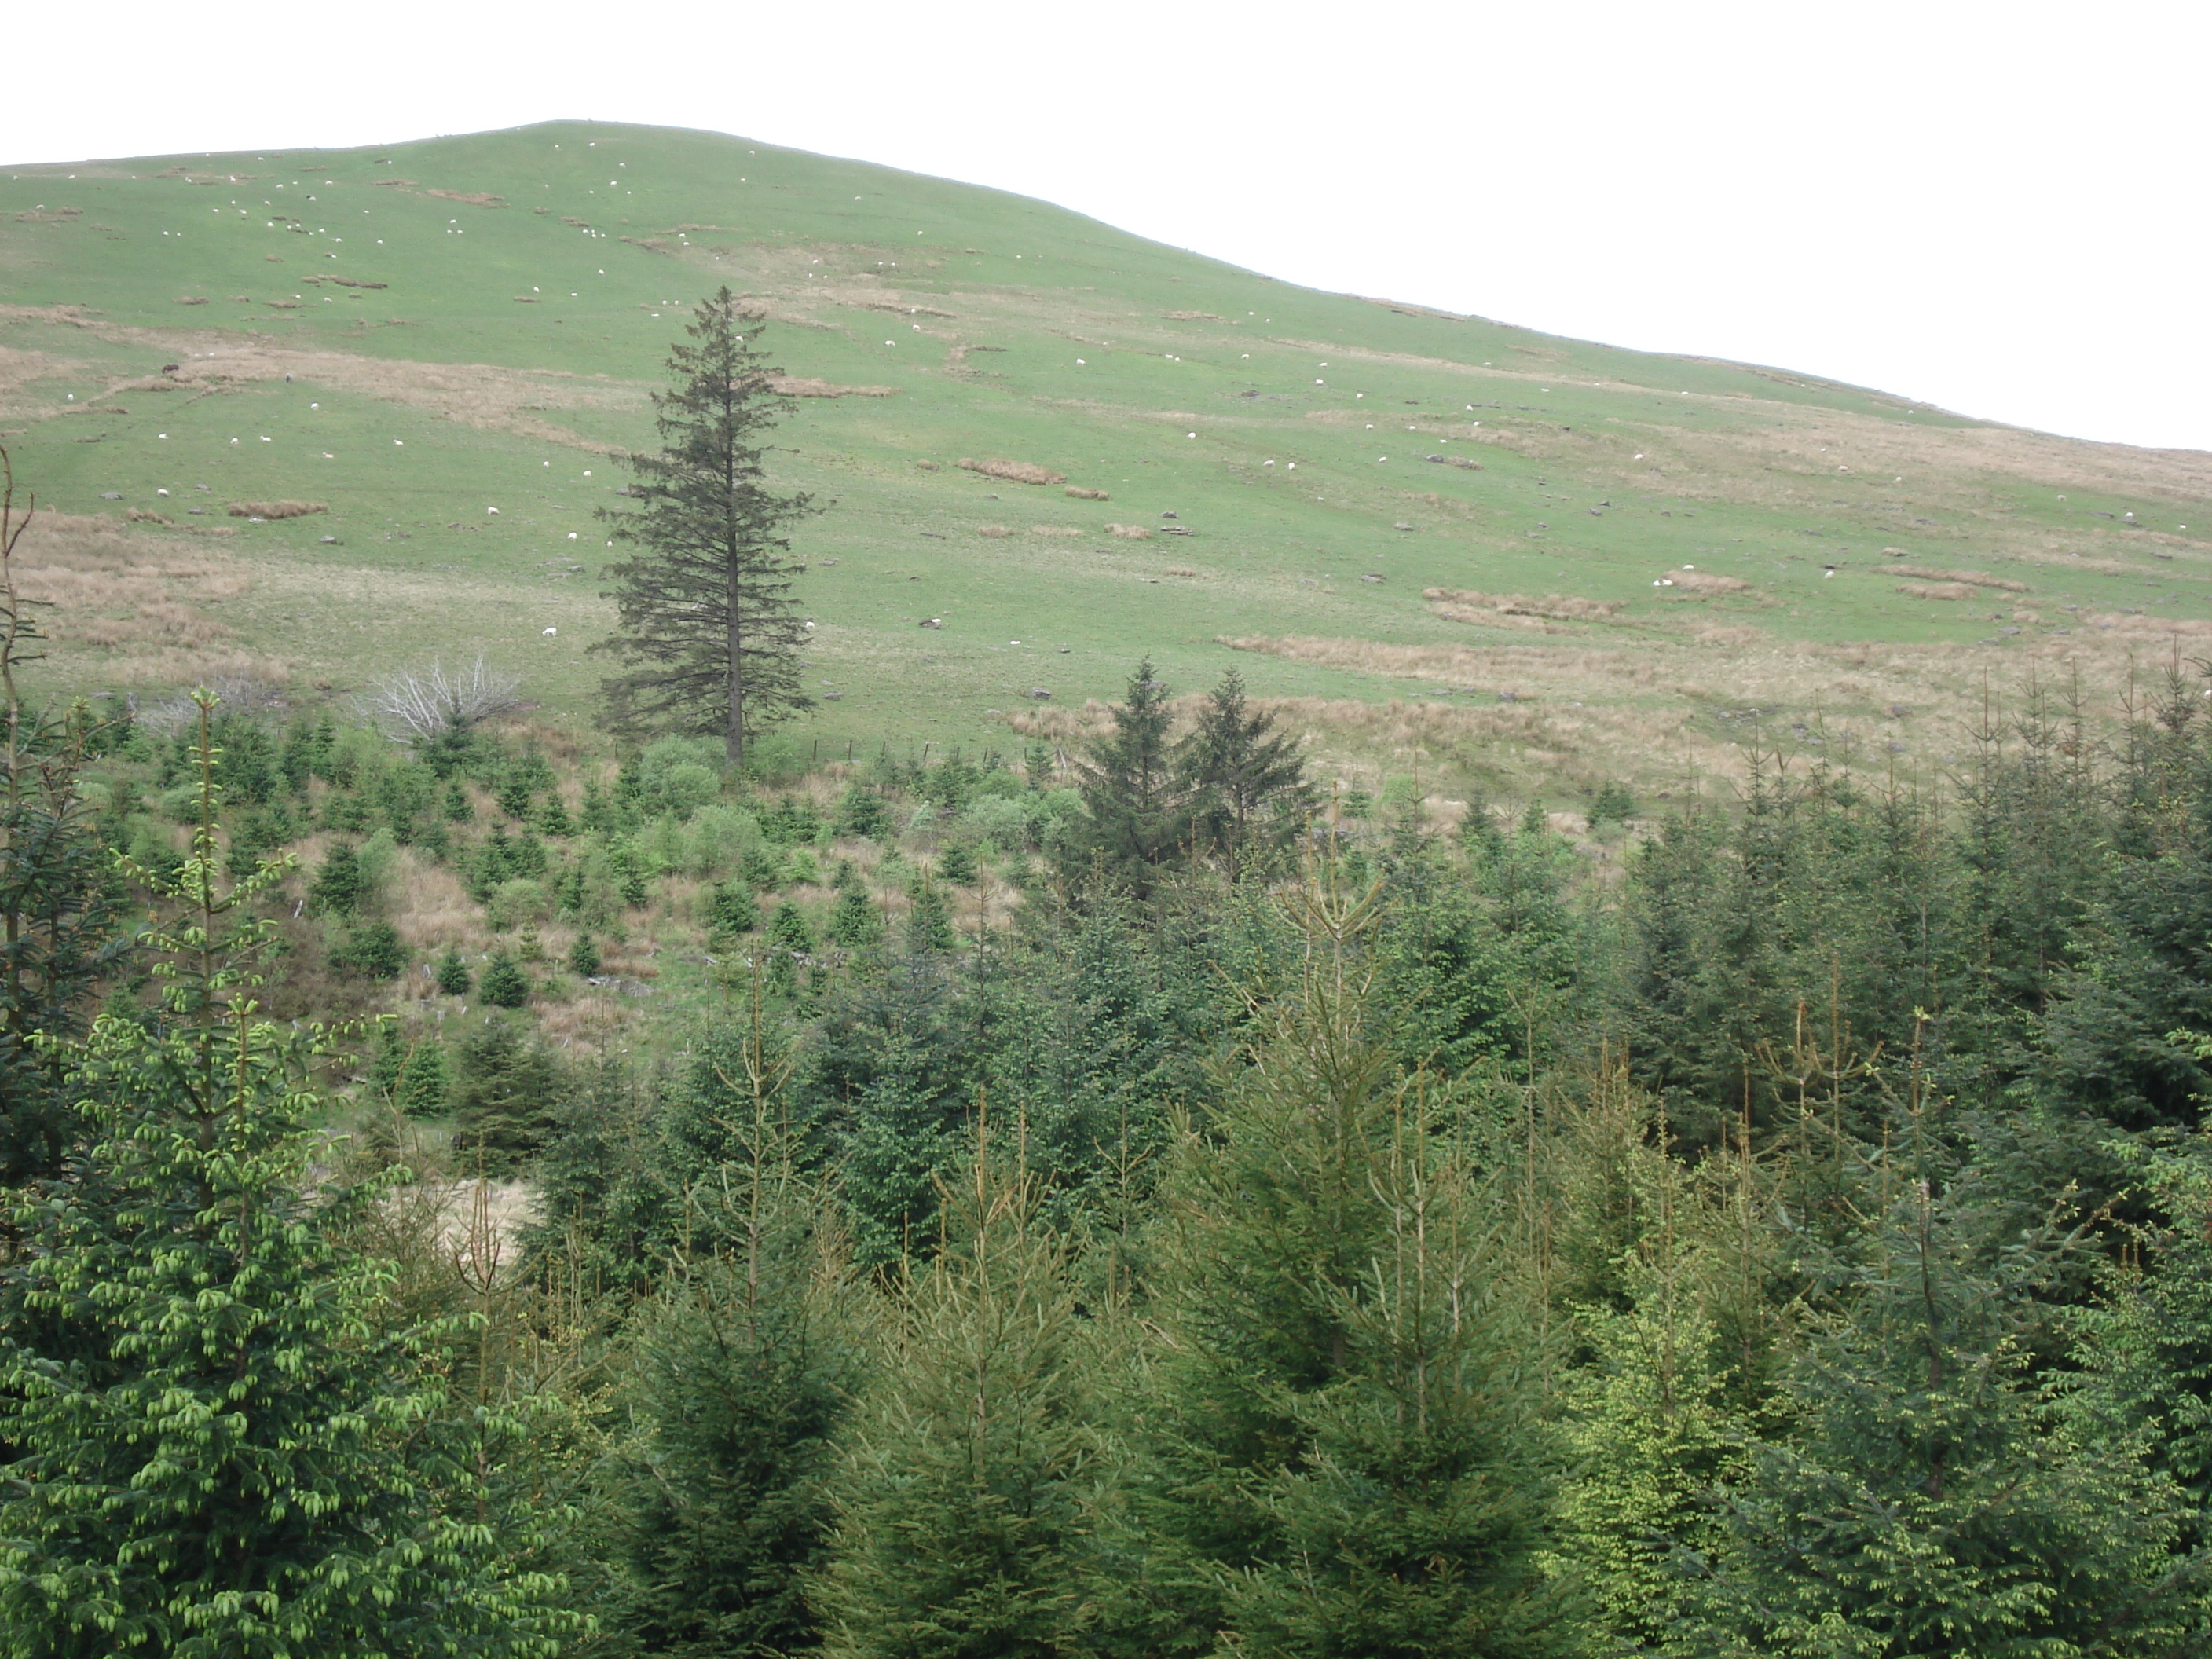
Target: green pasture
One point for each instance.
(1287, 429)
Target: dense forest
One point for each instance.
(1129, 1199)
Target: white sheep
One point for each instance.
(550, 632)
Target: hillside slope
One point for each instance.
(1446, 536)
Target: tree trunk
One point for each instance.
(733, 732)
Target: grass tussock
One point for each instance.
(1055, 530)
(1938, 590)
(994, 531)
(1134, 532)
(1026, 472)
(276, 510)
(1077, 492)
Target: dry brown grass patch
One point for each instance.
(1481, 617)
(1054, 530)
(993, 531)
(276, 510)
(468, 198)
(1704, 582)
(136, 600)
(1979, 577)
(1077, 492)
(481, 395)
(1560, 606)
(1134, 532)
(1026, 472)
(792, 385)
(1938, 589)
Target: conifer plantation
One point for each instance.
(502, 1190)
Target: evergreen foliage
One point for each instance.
(787, 931)
(454, 975)
(583, 958)
(1352, 1442)
(861, 812)
(1249, 796)
(421, 1088)
(372, 950)
(959, 1495)
(1132, 799)
(1788, 1238)
(60, 913)
(340, 886)
(1927, 1498)
(731, 909)
(706, 618)
(504, 985)
(504, 1094)
(929, 918)
(746, 1363)
(854, 921)
(206, 1451)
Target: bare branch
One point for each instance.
(414, 705)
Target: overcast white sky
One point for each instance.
(2001, 208)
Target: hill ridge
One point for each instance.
(522, 316)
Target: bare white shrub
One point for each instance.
(414, 705)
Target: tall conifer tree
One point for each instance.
(747, 1362)
(961, 1514)
(1247, 779)
(705, 617)
(1133, 796)
(1346, 1454)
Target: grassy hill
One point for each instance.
(1445, 541)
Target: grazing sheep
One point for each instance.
(550, 632)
